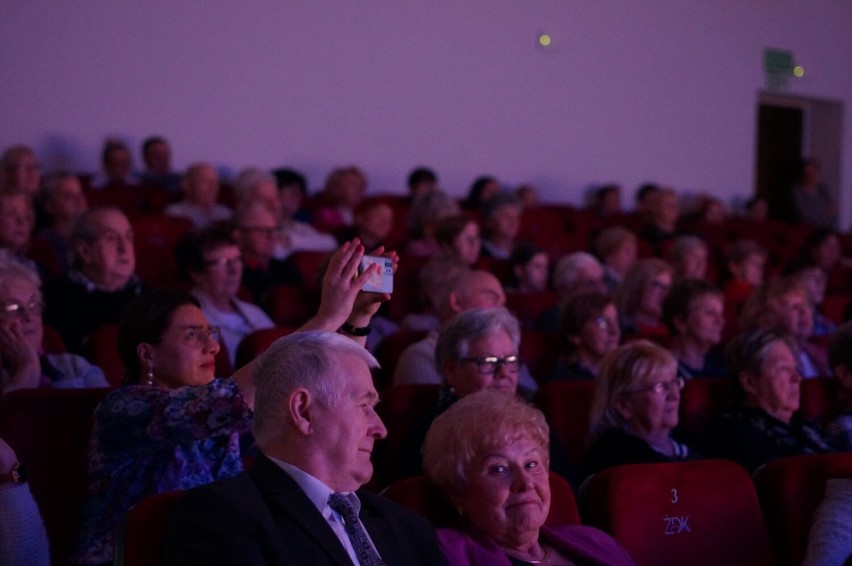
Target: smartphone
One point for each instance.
(381, 281)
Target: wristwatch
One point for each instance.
(18, 474)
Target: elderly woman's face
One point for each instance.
(467, 244)
(508, 491)
(600, 335)
(651, 406)
(26, 318)
(473, 373)
(694, 263)
(777, 389)
(795, 314)
(706, 319)
(655, 293)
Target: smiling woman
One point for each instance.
(489, 454)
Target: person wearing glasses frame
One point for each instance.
(635, 409)
(476, 350)
(175, 425)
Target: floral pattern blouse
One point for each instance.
(148, 440)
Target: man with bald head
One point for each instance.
(301, 503)
(201, 191)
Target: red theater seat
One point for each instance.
(566, 406)
(141, 542)
(790, 491)
(258, 341)
(701, 401)
(703, 513)
(821, 399)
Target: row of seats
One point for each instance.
(50, 429)
(700, 513)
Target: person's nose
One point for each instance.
(378, 429)
(521, 480)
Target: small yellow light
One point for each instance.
(544, 40)
(799, 71)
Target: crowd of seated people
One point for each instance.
(641, 304)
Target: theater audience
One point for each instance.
(617, 249)
(840, 360)
(756, 210)
(476, 350)
(458, 235)
(482, 190)
(813, 199)
(117, 164)
(102, 280)
(830, 536)
(17, 220)
(201, 191)
(640, 297)
(298, 234)
(427, 210)
(157, 157)
(212, 261)
(20, 169)
(252, 185)
(256, 230)
(688, 257)
(814, 281)
(527, 196)
(302, 502)
(23, 540)
(345, 187)
(694, 313)
(646, 193)
(434, 278)
(606, 201)
(501, 223)
(746, 262)
(530, 269)
(63, 201)
(23, 363)
(175, 425)
(373, 223)
(489, 454)
(421, 181)
(763, 424)
(783, 305)
(635, 409)
(663, 214)
(574, 273)
(588, 330)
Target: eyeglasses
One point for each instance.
(16, 309)
(488, 365)
(265, 231)
(604, 323)
(224, 262)
(197, 336)
(661, 387)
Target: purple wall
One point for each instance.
(628, 92)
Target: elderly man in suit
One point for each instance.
(316, 425)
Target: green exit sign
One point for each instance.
(778, 65)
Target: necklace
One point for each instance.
(543, 559)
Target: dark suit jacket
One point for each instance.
(264, 517)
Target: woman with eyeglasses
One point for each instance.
(588, 331)
(476, 350)
(635, 409)
(23, 362)
(175, 425)
(212, 261)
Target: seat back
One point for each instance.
(821, 399)
(401, 408)
(388, 352)
(141, 541)
(701, 401)
(697, 513)
(790, 490)
(258, 341)
(101, 348)
(539, 351)
(566, 406)
(155, 237)
(423, 497)
(49, 429)
(290, 305)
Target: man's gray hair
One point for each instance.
(567, 269)
(248, 179)
(456, 336)
(300, 360)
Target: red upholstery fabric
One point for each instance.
(834, 306)
(155, 237)
(566, 406)
(291, 305)
(790, 491)
(141, 543)
(309, 264)
(49, 430)
(696, 513)
(52, 342)
(528, 307)
(258, 341)
(101, 348)
(539, 351)
(822, 399)
(422, 496)
(701, 401)
(401, 408)
(388, 352)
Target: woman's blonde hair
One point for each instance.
(478, 422)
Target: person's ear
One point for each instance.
(145, 353)
(300, 410)
(748, 382)
(622, 407)
(84, 252)
(454, 299)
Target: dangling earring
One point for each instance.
(150, 376)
